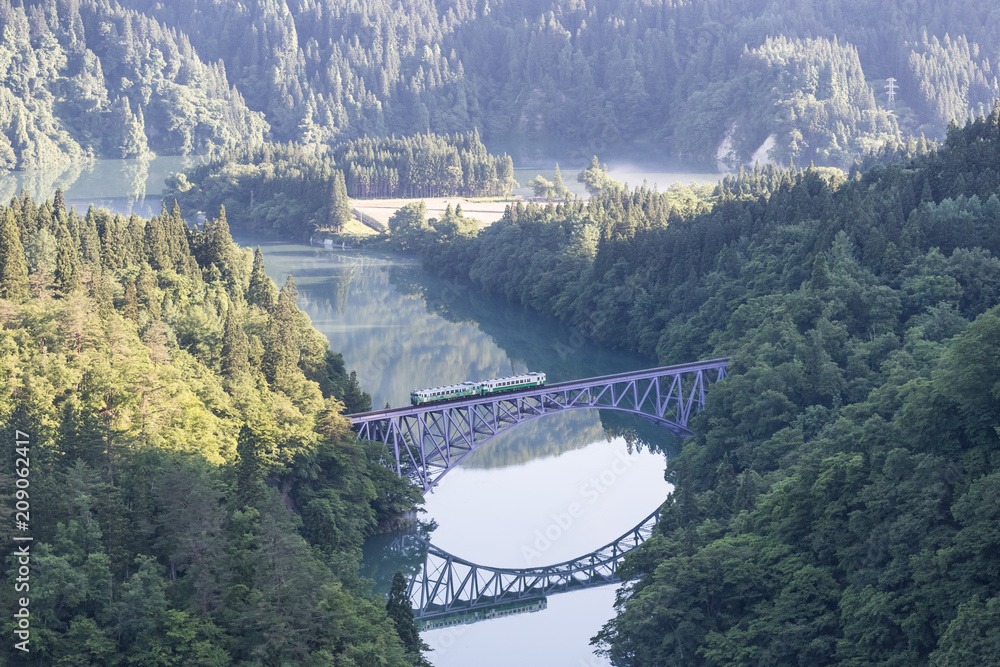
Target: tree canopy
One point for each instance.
(196, 496)
(706, 81)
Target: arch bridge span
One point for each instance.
(428, 440)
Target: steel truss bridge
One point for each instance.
(427, 441)
(447, 585)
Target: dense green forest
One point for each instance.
(291, 190)
(86, 78)
(707, 81)
(839, 502)
(424, 165)
(616, 72)
(196, 497)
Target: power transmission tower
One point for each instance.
(890, 87)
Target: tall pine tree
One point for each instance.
(340, 205)
(67, 260)
(13, 268)
(235, 348)
(260, 292)
(400, 610)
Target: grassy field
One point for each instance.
(380, 210)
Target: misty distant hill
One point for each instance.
(713, 82)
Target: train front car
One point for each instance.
(445, 393)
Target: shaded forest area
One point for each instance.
(700, 80)
(839, 502)
(196, 495)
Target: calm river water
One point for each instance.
(506, 506)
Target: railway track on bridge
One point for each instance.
(430, 439)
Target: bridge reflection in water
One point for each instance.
(448, 590)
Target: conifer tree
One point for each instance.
(59, 205)
(40, 254)
(355, 398)
(27, 219)
(90, 241)
(147, 293)
(130, 307)
(400, 611)
(560, 189)
(157, 249)
(260, 292)
(176, 232)
(67, 272)
(218, 244)
(13, 268)
(101, 293)
(281, 353)
(235, 348)
(252, 446)
(81, 433)
(340, 205)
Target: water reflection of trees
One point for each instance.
(384, 555)
(639, 433)
(117, 185)
(565, 431)
(532, 340)
(548, 436)
(390, 338)
(400, 329)
(135, 174)
(40, 184)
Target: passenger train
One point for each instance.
(484, 388)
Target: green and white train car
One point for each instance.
(484, 388)
(512, 383)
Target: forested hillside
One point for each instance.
(88, 78)
(838, 504)
(604, 73)
(292, 190)
(196, 497)
(700, 80)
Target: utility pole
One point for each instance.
(890, 87)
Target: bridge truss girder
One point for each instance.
(428, 441)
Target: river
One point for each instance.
(509, 503)
(121, 186)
